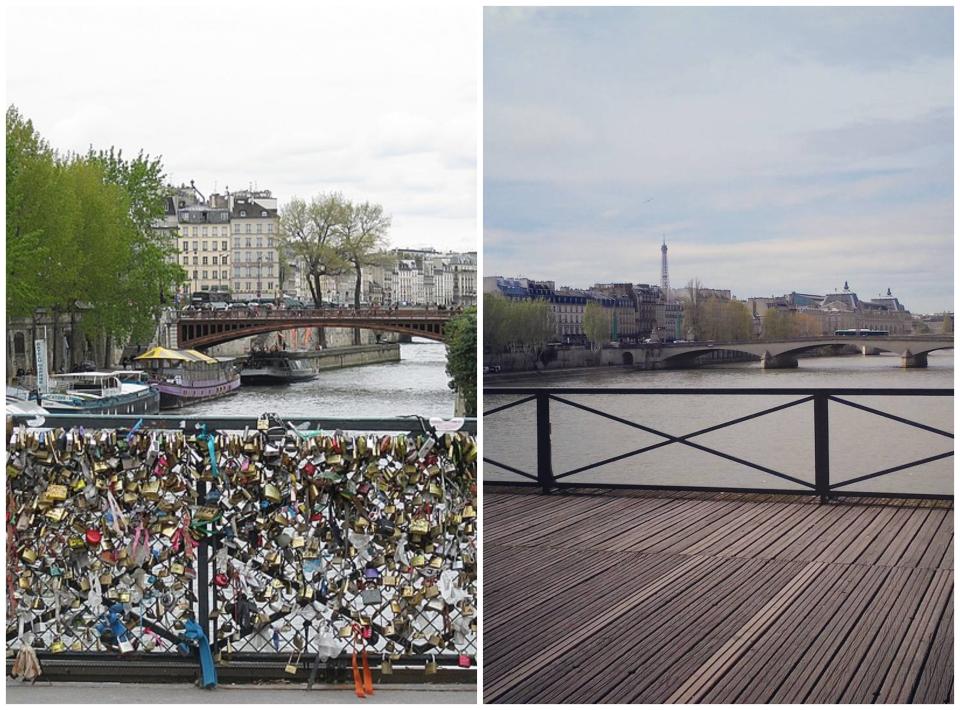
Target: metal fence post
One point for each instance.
(544, 453)
(203, 573)
(821, 446)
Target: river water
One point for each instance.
(415, 385)
(860, 442)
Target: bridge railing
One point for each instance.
(308, 313)
(290, 541)
(532, 452)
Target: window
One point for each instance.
(214, 261)
(248, 241)
(269, 241)
(186, 260)
(194, 262)
(204, 230)
(223, 232)
(223, 259)
(248, 285)
(269, 285)
(270, 228)
(223, 245)
(195, 243)
(236, 285)
(196, 231)
(263, 213)
(236, 228)
(205, 246)
(249, 228)
(243, 213)
(194, 274)
(223, 275)
(213, 245)
(259, 229)
(204, 262)
(259, 242)
(204, 274)
(19, 344)
(186, 245)
(236, 242)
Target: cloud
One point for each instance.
(739, 131)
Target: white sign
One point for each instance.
(41, 356)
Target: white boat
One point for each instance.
(117, 392)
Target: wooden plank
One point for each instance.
(904, 670)
(936, 678)
(703, 679)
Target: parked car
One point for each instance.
(218, 306)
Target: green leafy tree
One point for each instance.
(596, 323)
(461, 339)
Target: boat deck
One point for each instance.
(699, 597)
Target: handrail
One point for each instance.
(822, 486)
(407, 424)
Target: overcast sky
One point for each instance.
(377, 101)
(776, 149)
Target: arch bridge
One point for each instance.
(202, 330)
(773, 354)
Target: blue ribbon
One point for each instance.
(133, 430)
(193, 635)
(113, 623)
(204, 436)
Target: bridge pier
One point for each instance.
(778, 362)
(909, 360)
(869, 350)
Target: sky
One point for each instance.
(775, 149)
(379, 102)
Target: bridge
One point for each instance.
(205, 329)
(774, 354)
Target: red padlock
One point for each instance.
(221, 580)
(367, 632)
(464, 661)
(93, 537)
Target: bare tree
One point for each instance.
(311, 231)
(362, 239)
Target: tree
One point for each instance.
(461, 339)
(947, 324)
(693, 310)
(311, 230)
(596, 323)
(363, 237)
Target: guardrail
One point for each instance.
(823, 484)
(289, 542)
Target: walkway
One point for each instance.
(701, 597)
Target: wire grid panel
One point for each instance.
(324, 539)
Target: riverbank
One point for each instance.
(352, 356)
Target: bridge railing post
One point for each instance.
(821, 445)
(544, 449)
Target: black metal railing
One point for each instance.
(260, 596)
(823, 484)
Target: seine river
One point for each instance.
(415, 385)
(860, 442)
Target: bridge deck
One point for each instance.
(696, 597)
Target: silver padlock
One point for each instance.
(126, 646)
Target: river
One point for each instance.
(415, 385)
(860, 442)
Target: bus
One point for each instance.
(860, 332)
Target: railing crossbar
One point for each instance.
(894, 417)
(509, 405)
(684, 440)
(893, 469)
(511, 469)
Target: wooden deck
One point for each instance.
(695, 597)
